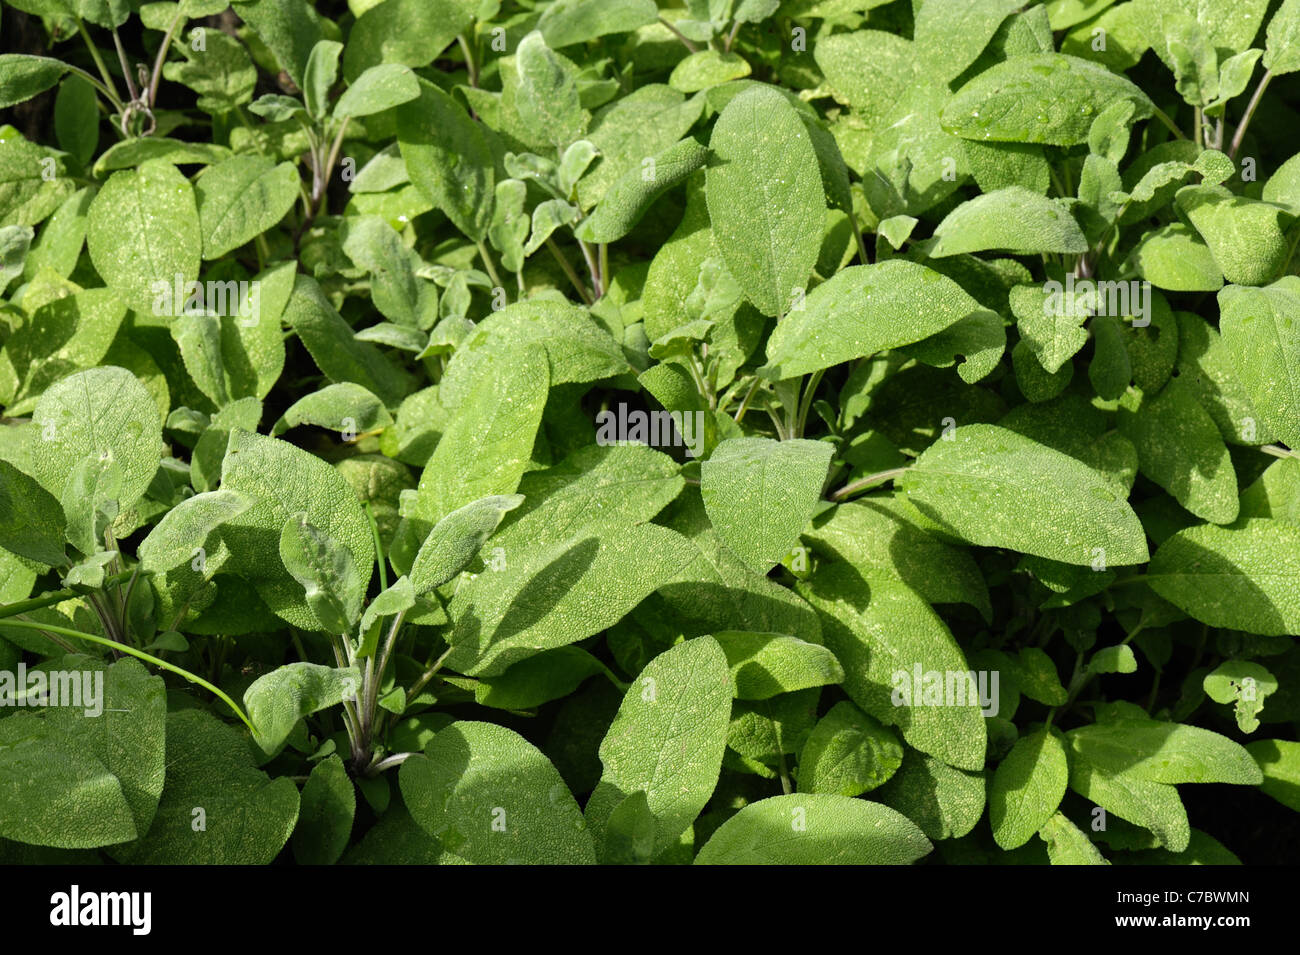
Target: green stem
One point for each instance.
(486, 256)
(806, 404)
(471, 66)
(49, 600)
(99, 63)
(869, 481)
(1164, 118)
(1249, 114)
(568, 270)
(123, 648)
(156, 76)
(379, 548)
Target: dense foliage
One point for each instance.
(784, 431)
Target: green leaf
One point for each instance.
(559, 594)
(188, 527)
(1014, 219)
(284, 480)
(1118, 659)
(705, 69)
(1067, 844)
(1154, 806)
(882, 633)
(76, 118)
(1244, 235)
(105, 412)
(321, 72)
(1282, 41)
(1279, 761)
(1262, 336)
(338, 354)
(950, 40)
(377, 89)
(31, 519)
(410, 32)
(343, 407)
(88, 773)
(90, 502)
(143, 233)
(277, 701)
(995, 488)
(629, 197)
(596, 490)
(487, 446)
(862, 310)
(815, 829)
(1246, 578)
(397, 598)
(569, 22)
(326, 571)
(848, 753)
(491, 797)
(764, 665)
(667, 739)
(1176, 258)
(456, 539)
(448, 158)
(329, 803)
(240, 198)
(221, 73)
(760, 494)
(644, 123)
(1040, 98)
(944, 801)
(1244, 684)
(243, 817)
(547, 96)
(765, 198)
(881, 541)
(1180, 448)
(539, 679)
(1027, 787)
(1050, 323)
(23, 76)
(630, 833)
(1163, 752)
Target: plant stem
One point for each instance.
(99, 63)
(869, 481)
(49, 600)
(568, 270)
(1164, 118)
(156, 76)
(428, 675)
(486, 256)
(123, 648)
(809, 392)
(1198, 120)
(1278, 451)
(678, 33)
(126, 67)
(597, 283)
(379, 548)
(471, 66)
(731, 37)
(1255, 97)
